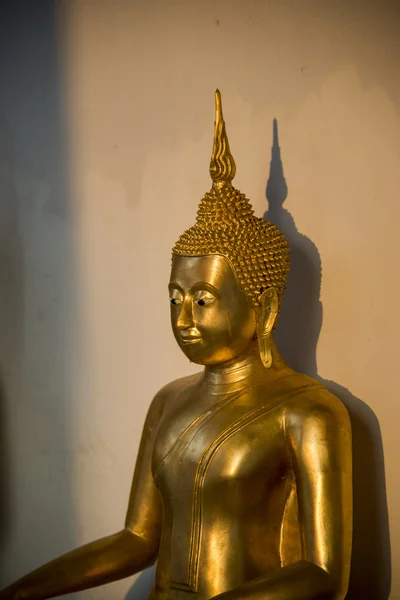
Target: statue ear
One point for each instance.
(266, 317)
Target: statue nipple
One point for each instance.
(222, 165)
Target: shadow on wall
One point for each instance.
(11, 319)
(36, 268)
(141, 588)
(297, 337)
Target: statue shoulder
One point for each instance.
(316, 407)
(170, 392)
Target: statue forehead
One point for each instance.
(212, 268)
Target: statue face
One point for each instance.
(212, 319)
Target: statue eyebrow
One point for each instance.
(199, 285)
(202, 285)
(176, 286)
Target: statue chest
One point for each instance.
(215, 470)
(229, 442)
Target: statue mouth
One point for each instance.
(190, 340)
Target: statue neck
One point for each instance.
(235, 370)
(241, 368)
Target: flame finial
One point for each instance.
(222, 165)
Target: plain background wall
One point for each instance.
(106, 120)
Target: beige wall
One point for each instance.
(137, 88)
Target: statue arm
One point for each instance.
(319, 444)
(113, 557)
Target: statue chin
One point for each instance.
(243, 482)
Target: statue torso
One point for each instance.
(222, 466)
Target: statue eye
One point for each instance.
(204, 300)
(175, 301)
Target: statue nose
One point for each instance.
(185, 319)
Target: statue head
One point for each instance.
(229, 270)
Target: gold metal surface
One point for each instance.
(242, 487)
(222, 165)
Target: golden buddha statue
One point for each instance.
(242, 487)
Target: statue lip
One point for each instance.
(190, 340)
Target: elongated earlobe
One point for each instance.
(266, 317)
